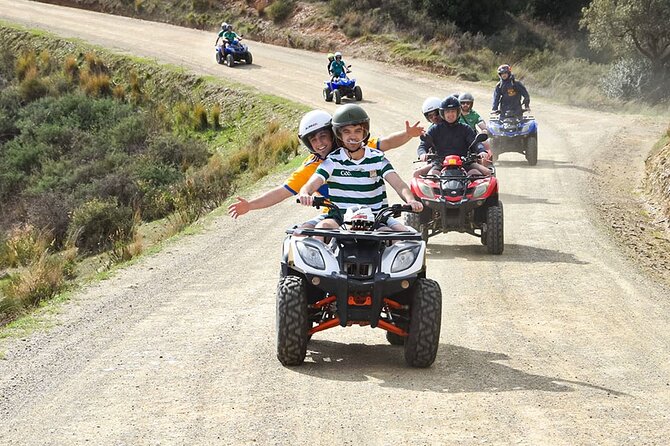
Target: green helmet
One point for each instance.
(351, 114)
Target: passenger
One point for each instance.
(331, 58)
(470, 117)
(356, 173)
(316, 134)
(508, 93)
(450, 137)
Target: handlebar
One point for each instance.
(394, 210)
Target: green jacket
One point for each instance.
(228, 35)
(471, 119)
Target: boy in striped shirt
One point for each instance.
(355, 173)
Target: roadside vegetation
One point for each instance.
(94, 146)
(564, 50)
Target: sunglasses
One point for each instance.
(466, 103)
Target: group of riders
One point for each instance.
(347, 165)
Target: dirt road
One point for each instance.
(558, 341)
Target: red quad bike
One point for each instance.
(458, 202)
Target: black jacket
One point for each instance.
(449, 139)
(507, 96)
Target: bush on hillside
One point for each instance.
(98, 223)
(280, 10)
(627, 79)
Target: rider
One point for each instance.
(337, 67)
(355, 173)
(227, 34)
(316, 134)
(331, 58)
(470, 117)
(450, 137)
(224, 28)
(431, 109)
(507, 94)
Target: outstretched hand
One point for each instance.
(239, 208)
(413, 130)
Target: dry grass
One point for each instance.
(200, 121)
(24, 245)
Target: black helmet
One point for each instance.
(449, 103)
(504, 68)
(466, 97)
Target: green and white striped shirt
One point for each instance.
(356, 182)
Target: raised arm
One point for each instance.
(270, 198)
(397, 139)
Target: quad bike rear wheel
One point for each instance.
(327, 94)
(424, 325)
(230, 60)
(338, 96)
(494, 236)
(531, 150)
(292, 321)
(358, 93)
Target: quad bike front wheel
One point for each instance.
(494, 236)
(358, 93)
(414, 221)
(292, 321)
(327, 94)
(531, 150)
(338, 96)
(424, 325)
(230, 61)
(219, 58)
(249, 58)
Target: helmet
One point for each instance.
(311, 123)
(504, 69)
(430, 104)
(466, 97)
(338, 54)
(350, 114)
(455, 95)
(224, 26)
(229, 27)
(331, 56)
(359, 218)
(449, 103)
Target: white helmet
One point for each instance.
(313, 122)
(224, 25)
(430, 104)
(338, 54)
(359, 218)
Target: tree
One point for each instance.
(642, 25)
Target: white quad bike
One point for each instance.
(361, 276)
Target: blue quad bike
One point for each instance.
(233, 53)
(342, 87)
(514, 133)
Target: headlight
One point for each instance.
(480, 189)
(426, 190)
(310, 255)
(404, 259)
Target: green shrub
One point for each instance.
(280, 10)
(98, 223)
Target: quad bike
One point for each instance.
(361, 276)
(514, 133)
(337, 88)
(456, 201)
(233, 53)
